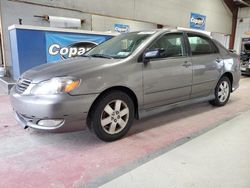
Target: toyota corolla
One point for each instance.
(130, 76)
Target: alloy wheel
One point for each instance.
(223, 91)
(114, 117)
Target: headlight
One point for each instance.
(55, 85)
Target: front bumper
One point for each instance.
(245, 72)
(245, 68)
(68, 124)
(73, 110)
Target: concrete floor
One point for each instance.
(29, 158)
(219, 158)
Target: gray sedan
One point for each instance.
(133, 75)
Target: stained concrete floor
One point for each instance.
(218, 158)
(30, 158)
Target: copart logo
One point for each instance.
(197, 21)
(73, 50)
(122, 29)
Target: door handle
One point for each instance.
(187, 64)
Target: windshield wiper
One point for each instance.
(102, 56)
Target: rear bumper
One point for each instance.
(236, 79)
(72, 110)
(235, 86)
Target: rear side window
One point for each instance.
(201, 45)
(172, 44)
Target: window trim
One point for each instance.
(221, 48)
(217, 51)
(185, 47)
(168, 58)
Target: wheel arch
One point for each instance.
(230, 77)
(124, 89)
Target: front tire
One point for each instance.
(112, 116)
(222, 92)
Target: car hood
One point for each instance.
(70, 67)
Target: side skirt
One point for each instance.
(157, 110)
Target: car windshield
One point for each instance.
(119, 47)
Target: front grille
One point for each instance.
(22, 84)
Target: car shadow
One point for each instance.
(167, 117)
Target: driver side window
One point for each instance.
(170, 45)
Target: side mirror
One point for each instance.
(152, 54)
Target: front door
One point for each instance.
(167, 79)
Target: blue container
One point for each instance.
(32, 46)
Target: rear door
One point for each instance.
(207, 64)
(168, 79)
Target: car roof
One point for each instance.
(170, 30)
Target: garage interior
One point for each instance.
(197, 145)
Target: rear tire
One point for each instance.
(222, 92)
(112, 116)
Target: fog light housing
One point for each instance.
(50, 122)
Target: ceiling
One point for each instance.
(242, 3)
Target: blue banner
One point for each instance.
(121, 28)
(197, 21)
(63, 45)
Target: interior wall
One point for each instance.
(165, 12)
(222, 38)
(177, 13)
(11, 12)
(104, 23)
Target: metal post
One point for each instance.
(1, 33)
